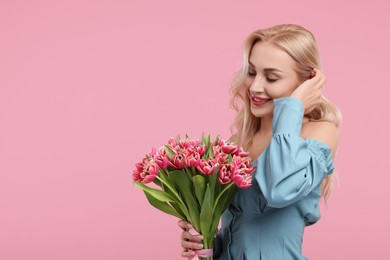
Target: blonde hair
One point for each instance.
(300, 44)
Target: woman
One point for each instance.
(291, 132)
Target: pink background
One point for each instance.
(88, 87)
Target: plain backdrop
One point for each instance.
(88, 87)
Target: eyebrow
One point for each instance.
(266, 69)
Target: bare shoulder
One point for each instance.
(323, 131)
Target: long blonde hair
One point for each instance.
(300, 44)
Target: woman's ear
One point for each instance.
(312, 74)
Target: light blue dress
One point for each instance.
(267, 220)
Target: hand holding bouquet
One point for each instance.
(196, 180)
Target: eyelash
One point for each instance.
(268, 79)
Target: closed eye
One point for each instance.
(252, 74)
(271, 80)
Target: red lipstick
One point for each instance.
(258, 101)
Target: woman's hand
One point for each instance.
(189, 242)
(310, 91)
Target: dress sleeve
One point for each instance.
(291, 167)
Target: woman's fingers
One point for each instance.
(190, 239)
(184, 225)
(190, 243)
(310, 91)
(188, 253)
(187, 236)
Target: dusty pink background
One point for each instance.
(88, 87)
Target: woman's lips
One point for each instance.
(257, 101)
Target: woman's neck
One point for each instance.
(266, 126)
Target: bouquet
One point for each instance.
(195, 180)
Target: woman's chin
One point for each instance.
(261, 111)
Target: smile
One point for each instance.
(258, 101)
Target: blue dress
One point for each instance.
(266, 221)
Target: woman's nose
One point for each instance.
(257, 85)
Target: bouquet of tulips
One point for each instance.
(195, 180)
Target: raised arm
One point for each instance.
(290, 167)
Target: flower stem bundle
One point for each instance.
(196, 179)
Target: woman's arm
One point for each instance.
(290, 167)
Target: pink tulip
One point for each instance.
(219, 154)
(240, 152)
(199, 147)
(163, 162)
(161, 158)
(145, 171)
(242, 180)
(227, 147)
(243, 165)
(178, 161)
(242, 177)
(192, 159)
(173, 143)
(185, 144)
(226, 172)
(208, 166)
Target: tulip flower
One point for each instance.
(197, 180)
(227, 147)
(219, 154)
(226, 172)
(178, 161)
(161, 158)
(145, 171)
(208, 166)
(192, 159)
(242, 180)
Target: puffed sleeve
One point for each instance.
(290, 167)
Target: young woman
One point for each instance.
(291, 132)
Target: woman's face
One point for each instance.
(271, 75)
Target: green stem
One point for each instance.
(208, 242)
(188, 173)
(220, 195)
(171, 189)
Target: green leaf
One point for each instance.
(206, 142)
(229, 159)
(157, 182)
(169, 151)
(199, 186)
(158, 194)
(221, 194)
(169, 187)
(228, 198)
(214, 183)
(223, 204)
(206, 213)
(185, 188)
(181, 209)
(216, 140)
(163, 206)
(210, 152)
